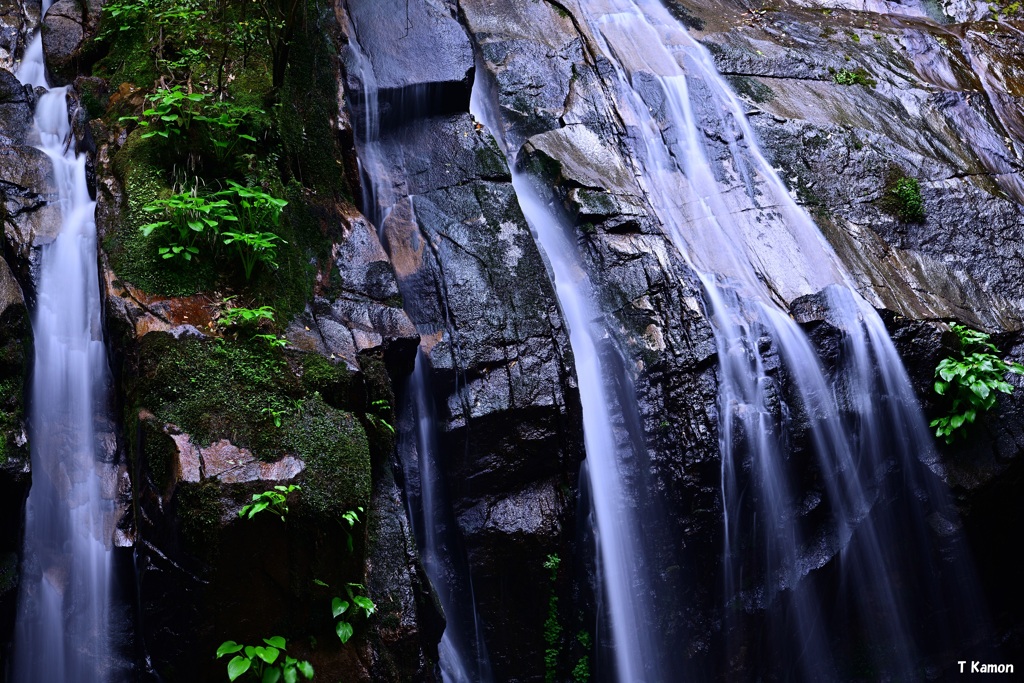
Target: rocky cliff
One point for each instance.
(850, 102)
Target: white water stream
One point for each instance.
(64, 600)
(755, 251)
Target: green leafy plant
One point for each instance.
(971, 378)
(272, 340)
(581, 672)
(552, 625)
(225, 122)
(351, 517)
(168, 112)
(256, 210)
(906, 198)
(357, 605)
(253, 248)
(274, 501)
(275, 415)
(853, 77)
(267, 663)
(241, 316)
(186, 215)
(381, 406)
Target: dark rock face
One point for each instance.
(495, 340)
(399, 36)
(64, 34)
(29, 212)
(16, 23)
(15, 354)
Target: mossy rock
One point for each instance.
(247, 393)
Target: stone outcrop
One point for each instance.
(17, 21)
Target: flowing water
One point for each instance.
(873, 512)
(64, 601)
(614, 450)
(462, 650)
(875, 505)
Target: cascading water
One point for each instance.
(462, 650)
(875, 506)
(756, 252)
(610, 425)
(64, 600)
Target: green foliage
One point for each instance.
(266, 663)
(168, 112)
(225, 125)
(274, 501)
(971, 377)
(552, 625)
(218, 390)
(256, 209)
(186, 216)
(273, 341)
(381, 406)
(241, 316)
(853, 77)
(253, 248)
(346, 611)
(1004, 9)
(350, 517)
(906, 197)
(581, 671)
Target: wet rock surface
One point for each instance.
(497, 347)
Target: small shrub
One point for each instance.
(240, 316)
(346, 611)
(906, 193)
(274, 501)
(265, 663)
(168, 113)
(853, 77)
(186, 216)
(971, 377)
(256, 210)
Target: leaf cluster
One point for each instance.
(266, 663)
(972, 377)
(188, 215)
(275, 501)
(854, 77)
(906, 195)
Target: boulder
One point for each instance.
(64, 35)
(394, 36)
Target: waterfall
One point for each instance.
(877, 505)
(614, 451)
(852, 568)
(462, 650)
(64, 600)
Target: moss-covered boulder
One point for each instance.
(212, 423)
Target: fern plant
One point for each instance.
(971, 378)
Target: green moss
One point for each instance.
(230, 390)
(334, 447)
(330, 379)
(902, 197)
(217, 390)
(159, 453)
(200, 510)
(133, 256)
(128, 59)
(307, 105)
